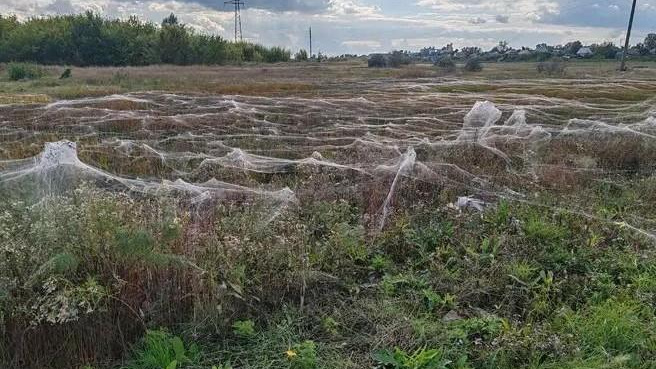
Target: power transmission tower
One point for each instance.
(237, 4)
(628, 37)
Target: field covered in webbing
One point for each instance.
(329, 216)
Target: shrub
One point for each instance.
(21, 71)
(377, 61)
(244, 328)
(552, 67)
(446, 64)
(473, 65)
(162, 350)
(303, 355)
(330, 325)
(66, 74)
(420, 359)
(398, 58)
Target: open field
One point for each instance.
(329, 216)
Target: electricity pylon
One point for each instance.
(237, 4)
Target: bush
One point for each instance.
(420, 359)
(552, 67)
(21, 71)
(398, 58)
(447, 64)
(473, 65)
(244, 328)
(161, 350)
(303, 355)
(377, 61)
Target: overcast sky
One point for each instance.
(364, 26)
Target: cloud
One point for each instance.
(477, 20)
(359, 44)
(304, 6)
(353, 8)
(601, 13)
(61, 7)
(502, 18)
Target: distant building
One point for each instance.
(585, 52)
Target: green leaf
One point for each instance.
(178, 349)
(172, 365)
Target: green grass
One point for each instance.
(24, 71)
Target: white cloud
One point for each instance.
(477, 20)
(352, 8)
(370, 44)
(502, 18)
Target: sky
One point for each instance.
(366, 26)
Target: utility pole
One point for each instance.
(310, 42)
(628, 37)
(237, 4)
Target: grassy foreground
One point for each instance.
(84, 277)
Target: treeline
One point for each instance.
(89, 39)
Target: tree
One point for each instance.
(301, 55)
(571, 48)
(650, 41)
(91, 45)
(606, 50)
(470, 51)
(502, 47)
(398, 58)
(7, 24)
(377, 61)
(89, 39)
(173, 41)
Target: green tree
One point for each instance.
(173, 41)
(571, 48)
(301, 55)
(89, 39)
(650, 41)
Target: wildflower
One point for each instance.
(291, 354)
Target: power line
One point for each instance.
(628, 37)
(237, 4)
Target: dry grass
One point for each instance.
(24, 99)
